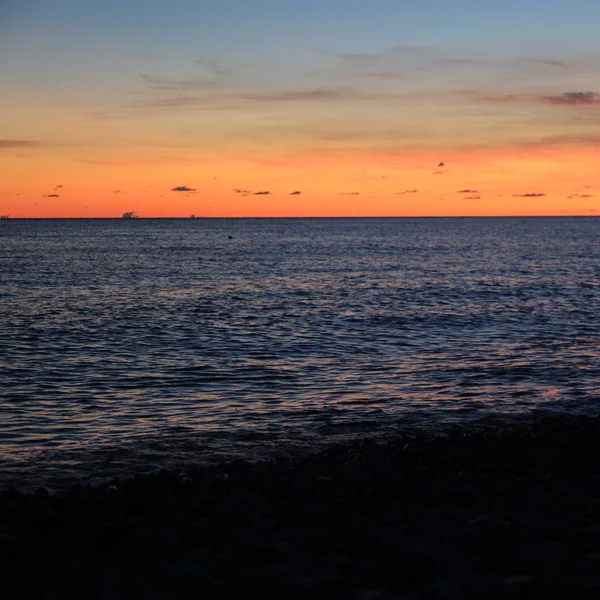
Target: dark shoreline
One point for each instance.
(505, 512)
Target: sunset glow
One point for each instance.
(244, 109)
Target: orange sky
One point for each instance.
(169, 118)
(470, 183)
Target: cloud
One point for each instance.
(501, 99)
(472, 197)
(568, 99)
(173, 102)
(509, 62)
(220, 99)
(438, 172)
(529, 195)
(159, 83)
(58, 187)
(384, 76)
(407, 192)
(182, 188)
(296, 193)
(467, 191)
(568, 139)
(263, 193)
(117, 192)
(148, 162)
(211, 68)
(399, 61)
(384, 56)
(581, 196)
(313, 95)
(559, 64)
(350, 194)
(104, 163)
(574, 99)
(462, 61)
(241, 191)
(52, 196)
(18, 143)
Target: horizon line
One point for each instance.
(548, 216)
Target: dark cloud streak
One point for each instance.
(18, 143)
(574, 99)
(567, 99)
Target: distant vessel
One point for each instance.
(130, 215)
(193, 217)
(4, 217)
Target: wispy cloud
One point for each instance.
(407, 192)
(529, 195)
(52, 196)
(183, 188)
(565, 140)
(350, 194)
(549, 62)
(296, 193)
(467, 191)
(18, 143)
(516, 61)
(412, 58)
(473, 197)
(319, 95)
(104, 163)
(262, 193)
(159, 83)
(502, 99)
(211, 67)
(574, 99)
(205, 102)
(384, 76)
(140, 162)
(384, 55)
(463, 61)
(567, 99)
(237, 100)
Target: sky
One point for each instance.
(239, 108)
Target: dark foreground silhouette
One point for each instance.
(505, 513)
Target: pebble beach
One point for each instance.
(505, 512)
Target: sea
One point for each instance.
(128, 346)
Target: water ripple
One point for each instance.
(293, 333)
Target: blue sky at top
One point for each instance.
(42, 39)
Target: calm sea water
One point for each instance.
(126, 346)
